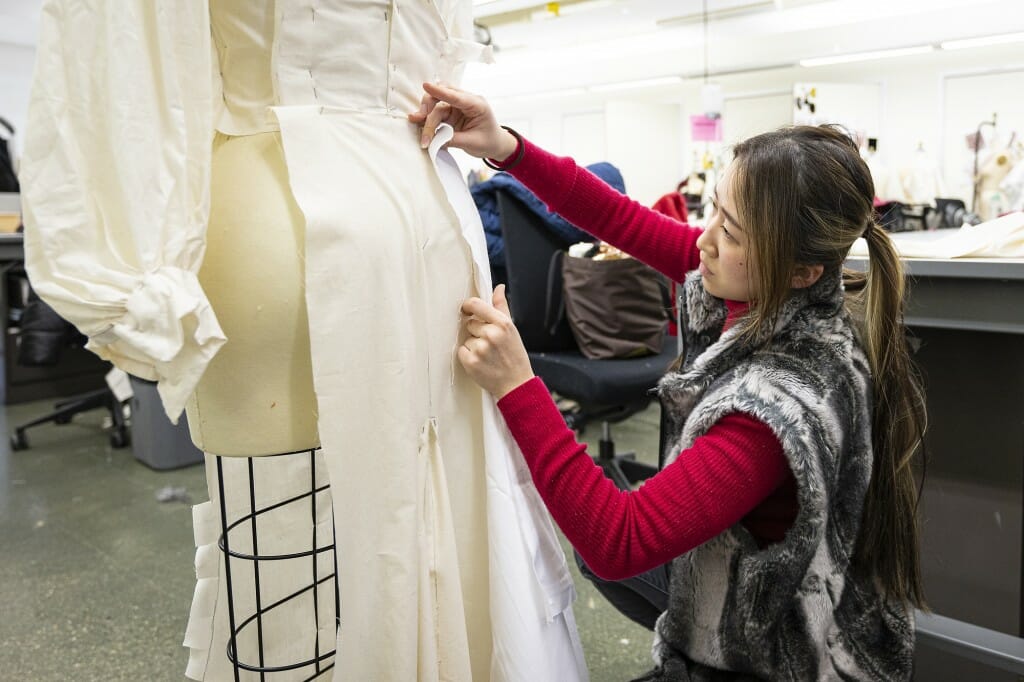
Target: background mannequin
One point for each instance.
(991, 200)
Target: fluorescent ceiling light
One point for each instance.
(866, 56)
(643, 83)
(982, 41)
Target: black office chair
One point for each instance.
(605, 390)
(66, 409)
(42, 338)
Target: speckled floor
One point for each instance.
(96, 574)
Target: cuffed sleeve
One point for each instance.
(116, 181)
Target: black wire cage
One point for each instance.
(250, 628)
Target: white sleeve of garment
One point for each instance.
(116, 179)
(460, 46)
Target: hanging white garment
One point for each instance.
(920, 180)
(116, 174)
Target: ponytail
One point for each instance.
(804, 195)
(888, 541)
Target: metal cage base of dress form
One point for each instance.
(318, 660)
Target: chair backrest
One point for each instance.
(534, 287)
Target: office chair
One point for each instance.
(42, 339)
(66, 409)
(605, 390)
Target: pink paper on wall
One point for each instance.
(704, 129)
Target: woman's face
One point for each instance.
(724, 247)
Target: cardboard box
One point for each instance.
(9, 222)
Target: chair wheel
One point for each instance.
(19, 441)
(118, 438)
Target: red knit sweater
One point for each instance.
(736, 472)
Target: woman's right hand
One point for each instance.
(476, 130)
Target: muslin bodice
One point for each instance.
(369, 55)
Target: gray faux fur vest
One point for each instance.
(793, 610)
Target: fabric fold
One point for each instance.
(531, 604)
(199, 632)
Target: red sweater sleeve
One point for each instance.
(710, 487)
(586, 201)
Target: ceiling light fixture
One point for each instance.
(867, 56)
(982, 41)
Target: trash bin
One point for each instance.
(156, 442)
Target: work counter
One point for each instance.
(965, 320)
(980, 294)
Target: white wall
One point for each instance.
(16, 62)
(643, 138)
(748, 113)
(586, 135)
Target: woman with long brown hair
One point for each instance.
(780, 540)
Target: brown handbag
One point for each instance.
(616, 308)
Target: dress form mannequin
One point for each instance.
(1013, 184)
(404, 438)
(255, 399)
(334, 253)
(991, 201)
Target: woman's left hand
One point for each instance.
(493, 354)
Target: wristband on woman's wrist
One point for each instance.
(517, 154)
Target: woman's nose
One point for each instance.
(704, 241)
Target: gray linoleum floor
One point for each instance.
(96, 574)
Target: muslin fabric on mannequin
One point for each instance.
(399, 269)
(447, 568)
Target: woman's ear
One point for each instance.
(806, 275)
